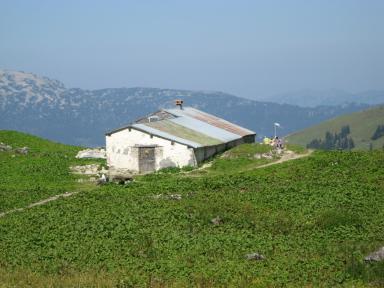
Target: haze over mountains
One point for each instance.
(332, 97)
(47, 108)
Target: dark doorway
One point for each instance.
(147, 159)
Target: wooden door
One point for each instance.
(146, 159)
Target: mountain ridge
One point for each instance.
(45, 107)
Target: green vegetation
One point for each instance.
(296, 148)
(43, 172)
(313, 219)
(338, 141)
(362, 125)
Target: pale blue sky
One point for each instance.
(248, 48)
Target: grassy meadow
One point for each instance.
(314, 219)
(362, 124)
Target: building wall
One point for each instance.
(122, 151)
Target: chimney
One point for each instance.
(179, 103)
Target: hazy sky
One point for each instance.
(249, 48)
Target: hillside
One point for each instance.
(45, 107)
(362, 125)
(313, 219)
(42, 172)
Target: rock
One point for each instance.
(254, 256)
(92, 153)
(174, 197)
(102, 180)
(169, 197)
(121, 179)
(257, 156)
(23, 150)
(91, 169)
(267, 156)
(4, 147)
(375, 256)
(216, 221)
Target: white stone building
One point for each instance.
(175, 137)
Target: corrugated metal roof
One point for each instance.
(183, 132)
(212, 120)
(165, 135)
(205, 128)
(190, 127)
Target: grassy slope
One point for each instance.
(43, 172)
(312, 218)
(363, 124)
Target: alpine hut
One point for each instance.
(177, 137)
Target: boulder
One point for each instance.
(23, 150)
(254, 256)
(5, 147)
(92, 153)
(102, 180)
(216, 221)
(376, 256)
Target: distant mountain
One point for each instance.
(362, 124)
(45, 107)
(313, 98)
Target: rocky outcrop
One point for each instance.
(92, 153)
(376, 256)
(4, 147)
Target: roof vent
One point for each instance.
(179, 103)
(153, 118)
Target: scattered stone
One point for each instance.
(169, 197)
(122, 180)
(102, 180)
(267, 156)
(216, 221)
(4, 147)
(90, 169)
(257, 156)
(375, 256)
(23, 150)
(174, 197)
(255, 256)
(92, 153)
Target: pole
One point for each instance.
(275, 129)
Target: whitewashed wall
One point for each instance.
(122, 153)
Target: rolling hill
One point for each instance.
(312, 219)
(362, 125)
(45, 107)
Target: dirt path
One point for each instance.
(39, 203)
(287, 156)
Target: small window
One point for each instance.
(151, 136)
(172, 142)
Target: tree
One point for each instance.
(378, 133)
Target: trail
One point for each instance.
(39, 203)
(287, 156)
